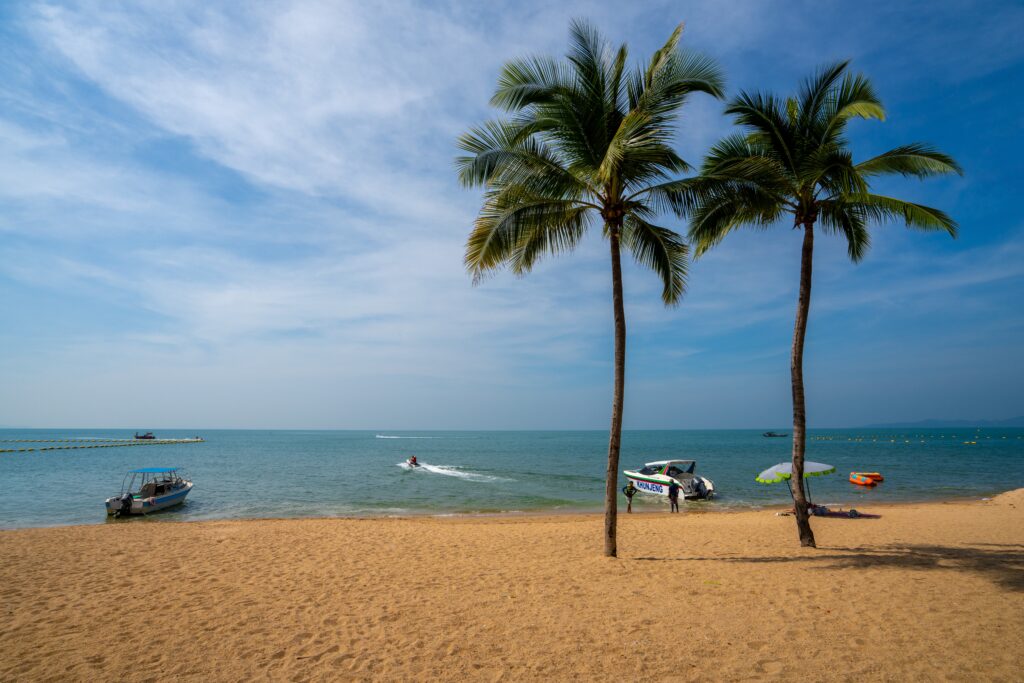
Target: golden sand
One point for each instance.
(927, 592)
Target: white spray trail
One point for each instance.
(450, 471)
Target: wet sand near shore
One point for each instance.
(928, 592)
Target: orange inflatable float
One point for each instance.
(866, 478)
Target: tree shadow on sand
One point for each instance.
(1003, 564)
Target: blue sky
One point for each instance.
(246, 215)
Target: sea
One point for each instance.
(241, 474)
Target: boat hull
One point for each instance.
(658, 486)
(145, 506)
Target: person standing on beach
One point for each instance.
(673, 496)
(629, 490)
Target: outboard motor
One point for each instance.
(700, 488)
(125, 507)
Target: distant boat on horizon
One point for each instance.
(147, 435)
(770, 435)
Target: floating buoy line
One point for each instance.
(89, 442)
(972, 440)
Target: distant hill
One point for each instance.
(1012, 422)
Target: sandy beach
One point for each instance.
(927, 592)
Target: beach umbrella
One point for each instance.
(784, 472)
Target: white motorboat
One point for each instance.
(149, 489)
(655, 477)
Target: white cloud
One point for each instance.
(325, 284)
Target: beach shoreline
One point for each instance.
(353, 474)
(692, 596)
(700, 508)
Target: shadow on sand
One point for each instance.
(1002, 564)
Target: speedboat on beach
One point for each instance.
(655, 477)
(149, 489)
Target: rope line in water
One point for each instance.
(94, 439)
(90, 443)
(972, 440)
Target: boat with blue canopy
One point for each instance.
(149, 489)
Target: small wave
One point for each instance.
(386, 436)
(451, 471)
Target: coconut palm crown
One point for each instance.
(586, 140)
(793, 162)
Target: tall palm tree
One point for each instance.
(587, 138)
(794, 161)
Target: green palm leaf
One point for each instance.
(918, 216)
(661, 250)
(916, 159)
(528, 81)
(850, 220)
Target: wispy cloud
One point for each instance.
(252, 210)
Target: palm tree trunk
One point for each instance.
(611, 482)
(803, 523)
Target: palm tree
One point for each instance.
(587, 138)
(794, 160)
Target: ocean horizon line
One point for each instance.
(981, 424)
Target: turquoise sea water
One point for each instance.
(240, 474)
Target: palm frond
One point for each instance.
(504, 157)
(509, 221)
(882, 208)
(660, 249)
(616, 96)
(916, 159)
(590, 56)
(491, 146)
(854, 97)
(670, 76)
(814, 91)
(849, 219)
(672, 195)
(692, 72)
(528, 81)
(552, 230)
(762, 114)
(636, 146)
(717, 207)
(831, 168)
(663, 55)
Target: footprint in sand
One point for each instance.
(319, 655)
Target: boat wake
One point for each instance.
(387, 436)
(451, 471)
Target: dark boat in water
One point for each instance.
(770, 435)
(147, 435)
